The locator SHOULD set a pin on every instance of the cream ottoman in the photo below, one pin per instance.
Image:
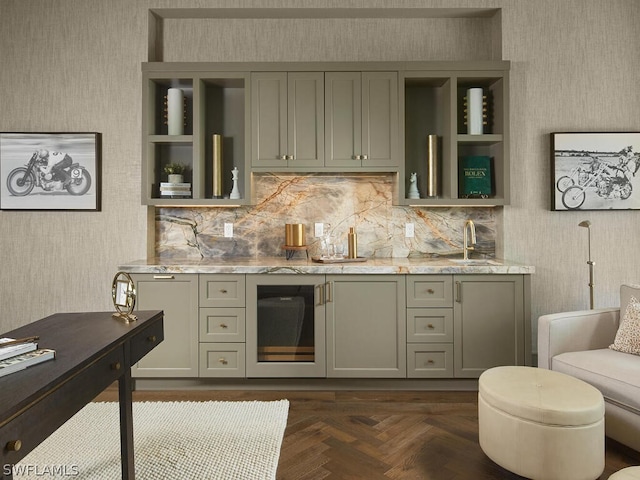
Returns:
(629, 473)
(541, 424)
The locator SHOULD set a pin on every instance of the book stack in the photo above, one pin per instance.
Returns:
(18, 354)
(175, 190)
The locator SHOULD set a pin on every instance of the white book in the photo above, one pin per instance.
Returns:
(177, 185)
(20, 362)
(13, 350)
(176, 193)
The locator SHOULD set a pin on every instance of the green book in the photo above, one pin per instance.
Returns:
(474, 177)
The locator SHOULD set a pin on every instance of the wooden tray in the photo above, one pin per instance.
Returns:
(338, 260)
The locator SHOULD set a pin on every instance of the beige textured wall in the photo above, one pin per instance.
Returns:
(74, 65)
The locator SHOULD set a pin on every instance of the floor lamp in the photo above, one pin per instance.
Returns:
(587, 225)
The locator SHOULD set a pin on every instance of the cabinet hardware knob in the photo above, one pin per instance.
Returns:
(365, 157)
(431, 291)
(223, 290)
(223, 361)
(430, 362)
(354, 157)
(223, 325)
(115, 366)
(430, 325)
(282, 157)
(14, 445)
(152, 338)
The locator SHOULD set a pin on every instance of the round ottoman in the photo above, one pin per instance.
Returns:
(629, 473)
(541, 424)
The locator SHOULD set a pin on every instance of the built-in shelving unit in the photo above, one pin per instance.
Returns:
(429, 99)
(432, 103)
(215, 103)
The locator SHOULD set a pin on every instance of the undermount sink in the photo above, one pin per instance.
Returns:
(474, 261)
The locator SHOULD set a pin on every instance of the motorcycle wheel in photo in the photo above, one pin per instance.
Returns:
(20, 181)
(80, 181)
(573, 197)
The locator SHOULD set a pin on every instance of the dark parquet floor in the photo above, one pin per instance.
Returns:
(373, 435)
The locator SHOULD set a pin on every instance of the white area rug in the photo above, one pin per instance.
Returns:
(172, 440)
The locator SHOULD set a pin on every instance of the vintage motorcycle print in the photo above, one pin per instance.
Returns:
(22, 180)
(607, 179)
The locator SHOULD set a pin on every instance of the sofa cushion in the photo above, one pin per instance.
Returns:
(615, 374)
(627, 290)
(628, 335)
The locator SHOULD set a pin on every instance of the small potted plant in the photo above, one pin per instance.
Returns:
(174, 172)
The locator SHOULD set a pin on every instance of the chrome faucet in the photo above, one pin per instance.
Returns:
(471, 227)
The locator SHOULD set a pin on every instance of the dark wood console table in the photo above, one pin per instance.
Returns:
(92, 351)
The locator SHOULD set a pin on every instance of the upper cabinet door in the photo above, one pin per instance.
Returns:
(343, 121)
(287, 119)
(361, 122)
(380, 119)
(306, 119)
(269, 119)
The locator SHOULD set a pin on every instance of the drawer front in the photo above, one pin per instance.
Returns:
(69, 398)
(429, 325)
(222, 290)
(430, 360)
(222, 324)
(222, 360)
(146, 340)
(429, 291)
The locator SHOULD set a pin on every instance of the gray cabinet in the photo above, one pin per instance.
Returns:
(366, 335)
(489, 323)
(221, 326)
(361, 119)
(430, 326)
(215, 102)
(177, 297)
(362, 325)
(460, 325)
(325, 117)
(287, 118)
(432, 102)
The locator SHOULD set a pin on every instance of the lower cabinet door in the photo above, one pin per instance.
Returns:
(366, 326)
(489, 323)
(222, 360)
(177, 296)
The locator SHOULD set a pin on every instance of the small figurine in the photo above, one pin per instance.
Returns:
(413, 186)
(235, 193)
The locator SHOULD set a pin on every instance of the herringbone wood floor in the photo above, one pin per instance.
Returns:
(374, 435)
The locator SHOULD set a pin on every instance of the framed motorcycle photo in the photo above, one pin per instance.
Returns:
(50, 171)
(595, 171)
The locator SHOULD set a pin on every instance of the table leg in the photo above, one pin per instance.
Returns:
(125, 386)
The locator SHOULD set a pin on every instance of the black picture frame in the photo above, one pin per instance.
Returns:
(595, 171)
(27, 181)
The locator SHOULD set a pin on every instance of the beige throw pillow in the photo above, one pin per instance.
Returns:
(628, 336)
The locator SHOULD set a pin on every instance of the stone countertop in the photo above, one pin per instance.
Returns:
(301, 265)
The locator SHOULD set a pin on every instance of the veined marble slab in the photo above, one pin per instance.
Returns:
(339, 201)
(300, 265)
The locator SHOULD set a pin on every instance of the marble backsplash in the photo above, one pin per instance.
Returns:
(340, 201)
